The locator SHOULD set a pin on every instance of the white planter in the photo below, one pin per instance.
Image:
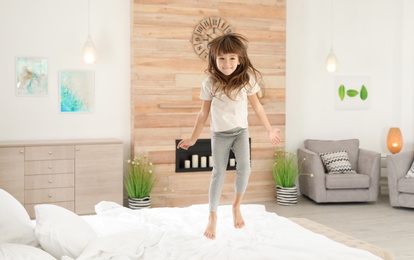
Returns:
(286, 196)
(139, 203)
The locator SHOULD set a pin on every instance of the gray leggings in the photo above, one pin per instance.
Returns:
(221, 142)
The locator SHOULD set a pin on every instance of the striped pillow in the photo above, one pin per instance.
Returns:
(337, 162)
(410, 173)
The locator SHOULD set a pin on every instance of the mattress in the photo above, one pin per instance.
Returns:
(116, 232)
(176, 233)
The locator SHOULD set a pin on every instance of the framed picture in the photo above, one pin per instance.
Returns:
(31, 76)
(77, 91)
(352, 92)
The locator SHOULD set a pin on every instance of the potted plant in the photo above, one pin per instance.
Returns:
(139, 182)
(285, 170)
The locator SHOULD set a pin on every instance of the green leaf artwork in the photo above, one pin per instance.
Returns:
(363, 93)
(351, 92)
(341, 92)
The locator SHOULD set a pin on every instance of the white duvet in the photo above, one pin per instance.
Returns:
(177, 233)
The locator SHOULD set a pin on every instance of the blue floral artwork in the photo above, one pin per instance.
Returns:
(31, 76)
(76, 91)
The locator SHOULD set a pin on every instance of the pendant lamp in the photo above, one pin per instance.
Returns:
(331, 63)
(394, 140)
(89, 50)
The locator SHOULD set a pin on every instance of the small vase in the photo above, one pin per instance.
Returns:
(287, 196)
(139, 203)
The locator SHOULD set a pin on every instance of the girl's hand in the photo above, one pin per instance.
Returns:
(274, 136)
(185, 144)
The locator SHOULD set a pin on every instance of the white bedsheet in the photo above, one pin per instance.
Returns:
(177, 233)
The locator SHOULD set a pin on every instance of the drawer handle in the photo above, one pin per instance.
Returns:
(21, 151)
(50, 195)
(50, 167)
(50, 153)
(50, 181)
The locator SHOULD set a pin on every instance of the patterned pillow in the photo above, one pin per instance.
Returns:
(410, 173)
(337, 162)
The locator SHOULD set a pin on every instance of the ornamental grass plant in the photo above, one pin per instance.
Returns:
(139, 180)
(285, 168)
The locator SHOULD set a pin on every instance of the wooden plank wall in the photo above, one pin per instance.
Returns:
(166, 81)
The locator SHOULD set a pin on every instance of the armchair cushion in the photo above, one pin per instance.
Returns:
(410, 173)
(406, 185)
(347, 181)
(337, 162)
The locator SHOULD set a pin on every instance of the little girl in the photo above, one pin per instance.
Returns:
(225, 93)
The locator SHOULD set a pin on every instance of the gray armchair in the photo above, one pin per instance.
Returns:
(400, 189)
(315, 183)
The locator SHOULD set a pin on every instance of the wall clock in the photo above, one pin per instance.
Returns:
(206, 30)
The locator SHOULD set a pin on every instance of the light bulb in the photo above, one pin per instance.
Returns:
(394, 140)
(331, 63)
(89, 52)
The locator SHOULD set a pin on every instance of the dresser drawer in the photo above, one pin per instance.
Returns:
(52, 152)
(70, 205)
(12, 171)
(49, 181)
(49, 195)
(49, 167)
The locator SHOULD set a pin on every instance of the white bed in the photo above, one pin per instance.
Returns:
(116, 232)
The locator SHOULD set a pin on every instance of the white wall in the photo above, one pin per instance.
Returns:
(371, 38)
(57, 30)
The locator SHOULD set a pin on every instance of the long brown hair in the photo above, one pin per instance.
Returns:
(239, 79)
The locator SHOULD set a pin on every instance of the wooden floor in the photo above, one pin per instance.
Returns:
(377, 223)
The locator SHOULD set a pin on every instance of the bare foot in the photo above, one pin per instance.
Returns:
(211, 226)
(237, 218)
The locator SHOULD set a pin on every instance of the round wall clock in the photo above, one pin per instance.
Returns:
(206, 30)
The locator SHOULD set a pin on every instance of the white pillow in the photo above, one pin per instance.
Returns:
(410, 173)
(61, 232)
(106, 205)
(23, 252)
(15, 224)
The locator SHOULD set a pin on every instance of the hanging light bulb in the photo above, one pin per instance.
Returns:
(331, 63)
(89, 50)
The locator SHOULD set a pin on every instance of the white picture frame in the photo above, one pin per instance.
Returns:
(76, 91)
(31, 76)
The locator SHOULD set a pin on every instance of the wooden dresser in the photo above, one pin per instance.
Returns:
(74, 174)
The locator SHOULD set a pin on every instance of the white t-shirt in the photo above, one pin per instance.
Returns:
(227, 114)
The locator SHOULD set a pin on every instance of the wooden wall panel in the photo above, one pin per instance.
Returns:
(166, 80)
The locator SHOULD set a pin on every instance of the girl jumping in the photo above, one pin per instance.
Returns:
(232, 82)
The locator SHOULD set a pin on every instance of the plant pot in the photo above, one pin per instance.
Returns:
(286, 196)
(139, 203)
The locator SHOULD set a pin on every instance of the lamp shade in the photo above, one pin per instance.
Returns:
(331, 63)
(89, 52)
(394, 140)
